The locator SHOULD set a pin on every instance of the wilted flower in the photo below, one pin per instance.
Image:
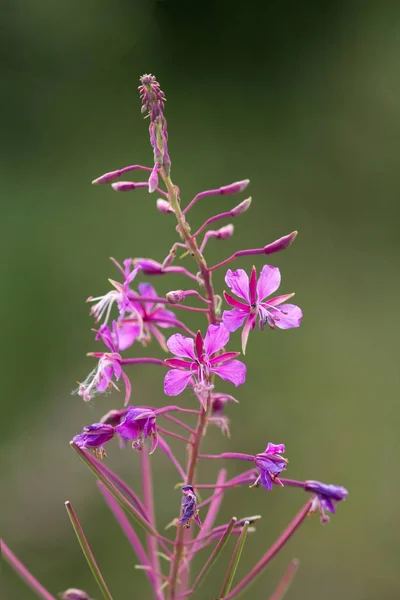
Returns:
(218, 417)
(100, 379)
(270, 465)
(120, 295)
(189, 512)
(137, 425)
(273, 312)
(93, 437)
(203, 361)
(326, 496)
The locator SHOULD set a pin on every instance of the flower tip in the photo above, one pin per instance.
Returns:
(241, 208)
(235, 188)
(123, 186)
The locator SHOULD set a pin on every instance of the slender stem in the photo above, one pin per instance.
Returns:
(235, 455)
(234, 562)
(23, 572)
(128, 531)
(286, 580)
(148, 498)
(271, 553)
(213, 557)
(87, 551)
(168, 452)
(142, 299)
(180, 423)
(143, 360)
(174, 435)
(173, 408)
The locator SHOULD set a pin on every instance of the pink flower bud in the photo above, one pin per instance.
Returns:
(108, 177)
(225, 232)
(281, 244)
(164, 206)
(241, 208)
(234, 188)
(175, 296)
(153, 179)
(127, 186)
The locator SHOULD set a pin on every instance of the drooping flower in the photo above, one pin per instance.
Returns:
(274, 312)
(120, 295)
(101, 378)
(218, 416)
(137, 425)
(270, 465)
(204, 360)
(145, 320)
(326, 496)
(93, 437)
(189, 512)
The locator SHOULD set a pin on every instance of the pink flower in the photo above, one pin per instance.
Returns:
(203, 362)
(273, 312)
(145, 320)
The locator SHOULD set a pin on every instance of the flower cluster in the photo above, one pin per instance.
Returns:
(200, 363)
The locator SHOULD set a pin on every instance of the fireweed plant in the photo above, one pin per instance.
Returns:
(132, 313)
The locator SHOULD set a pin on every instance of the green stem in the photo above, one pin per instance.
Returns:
(234, 562)
(191, 244)
(87, 551)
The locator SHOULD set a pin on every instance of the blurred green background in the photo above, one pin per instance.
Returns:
(302, 98)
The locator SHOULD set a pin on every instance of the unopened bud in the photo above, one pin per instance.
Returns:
(107, 177)
(164, 206)
(74, 594)
(169, 259)
(175, 296)
(148, 266)
(281, 244)
(153, 179)
(225, 232)
(124, 186)
(241, 208)
(234, 188)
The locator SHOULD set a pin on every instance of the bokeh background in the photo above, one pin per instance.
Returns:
(302, 98)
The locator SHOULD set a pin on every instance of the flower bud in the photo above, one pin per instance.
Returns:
(107, 177)
(234, 188)
(241, 208)
(175, 296)
(148, 266)
(74, 594)
(124, 186)
(281, 244)
(225, 232)
(164, 206)
(153, 179)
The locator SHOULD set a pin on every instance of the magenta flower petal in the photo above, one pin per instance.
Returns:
(249, 325)
(274, 448)
(181, 346)
(268, 282)
(176, 381)
(127, 333)
(216, 338)
(235, 303)
(148, 291)
(238, 282)
(287, 317)
(233, 371)
(233, 319)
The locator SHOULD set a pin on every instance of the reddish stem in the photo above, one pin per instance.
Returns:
(23, 572)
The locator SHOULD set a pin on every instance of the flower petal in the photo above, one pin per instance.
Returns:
(217, 337)
(235, 303)
(127, 334)
(233, 371)
(147, 291)
(176, 381)
(268, 282)
(181, 346)
(250, 324)
(233, 319)
(238, 281)
(266, 480)
(288, 316)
